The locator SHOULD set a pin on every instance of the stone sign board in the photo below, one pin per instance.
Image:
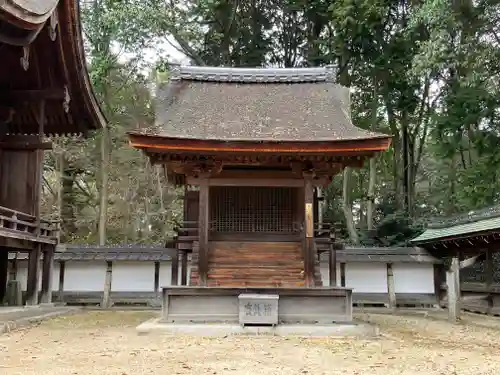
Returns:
(258, 309)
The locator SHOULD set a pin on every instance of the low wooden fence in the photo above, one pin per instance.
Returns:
(134, 275)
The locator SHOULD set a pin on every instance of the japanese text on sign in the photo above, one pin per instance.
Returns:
(258, 309)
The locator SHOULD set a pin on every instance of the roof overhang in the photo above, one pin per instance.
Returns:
(26, 13)
(156, 144)
(47, 35)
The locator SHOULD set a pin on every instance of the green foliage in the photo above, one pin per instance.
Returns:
(426, 72)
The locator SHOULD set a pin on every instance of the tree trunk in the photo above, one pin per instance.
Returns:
(347, 207)
(370, 206)
(103, 195)
(67, 199)
(406, 170)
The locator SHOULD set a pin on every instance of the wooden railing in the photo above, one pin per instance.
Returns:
(28, 226)
(187, 233)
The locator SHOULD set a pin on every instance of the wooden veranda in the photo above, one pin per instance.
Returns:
(44, 91)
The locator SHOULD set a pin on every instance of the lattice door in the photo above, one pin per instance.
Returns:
(252, 209)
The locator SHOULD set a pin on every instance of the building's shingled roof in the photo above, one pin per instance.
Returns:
(383, 255)
(469, 224)
(243, 104)
(152, 253)
(106, 253)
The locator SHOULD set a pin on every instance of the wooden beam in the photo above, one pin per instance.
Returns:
(157, 278)
(184, 267)
(203, 223)
(7, 96)
(14, 269)
(4, 272)
(489, 276)
(62, 271)
(47, 270)
(258, 175)
(309, 244)
(332, 261)
(437, 282)
(470, 261)
(342, 275)
(267, 182)
(26, 146)
(175, 269)
(33, 275)
(41, 118)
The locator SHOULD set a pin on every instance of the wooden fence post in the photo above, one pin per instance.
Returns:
(62, 269)
(391, 289)
(47, 270)
(452, 290)
(106, 301)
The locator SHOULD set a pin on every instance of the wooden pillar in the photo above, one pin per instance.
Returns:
(62, 270)
(4, 272)
(342, 274)
(203, 223)
(175, 269)
(184, 267)
(309, 253)
(332, 260)
(320, 206)
(391, 287)
(47, 270)
(33, 275)
(437, 283)
(106, 297)
(452, 290)
(488, 268)
(13, 270)
(156, 286)
(38, 186)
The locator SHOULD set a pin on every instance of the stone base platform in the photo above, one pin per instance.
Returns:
(284, 305)
(158, 326)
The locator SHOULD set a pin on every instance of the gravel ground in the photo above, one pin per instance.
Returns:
(99, 343)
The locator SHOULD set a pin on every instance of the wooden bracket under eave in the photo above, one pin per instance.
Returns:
(25, 146)
(54, 22)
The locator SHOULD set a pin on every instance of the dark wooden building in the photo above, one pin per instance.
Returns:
(44, 91)
(252, 146)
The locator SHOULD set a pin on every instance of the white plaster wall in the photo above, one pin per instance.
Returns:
(366, 277)
(189, 273)
(325, 274)
(55, 276)
(133, 277)
(165, 274)
(85, 276)
(22, 275)
(139, 276)
(413, 278)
